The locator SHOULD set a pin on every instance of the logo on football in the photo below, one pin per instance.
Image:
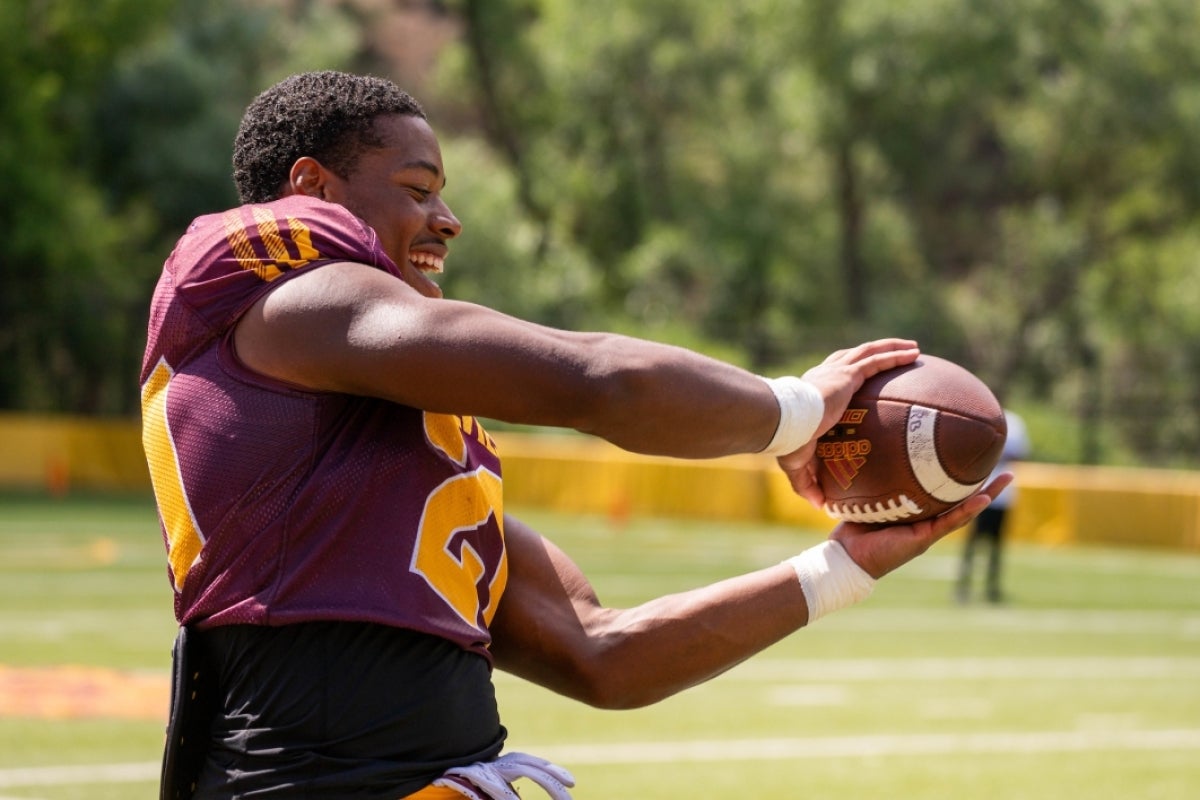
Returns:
(914, 442)
(843, 458)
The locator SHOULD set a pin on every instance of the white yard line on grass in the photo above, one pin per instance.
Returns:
(1108, 623)
(80, 774)
(858, 746)
(834, 670)
(711, 750)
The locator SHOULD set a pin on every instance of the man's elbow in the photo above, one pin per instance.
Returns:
(611, 684)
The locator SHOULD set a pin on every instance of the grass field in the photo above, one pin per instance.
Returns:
(1087, 684)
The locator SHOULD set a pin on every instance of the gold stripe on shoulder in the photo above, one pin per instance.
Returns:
(273, 240)
(302, 238)
(268, 231)
(243, 249)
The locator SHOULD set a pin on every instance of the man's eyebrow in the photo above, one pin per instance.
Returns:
(423, 164)
(429, 167)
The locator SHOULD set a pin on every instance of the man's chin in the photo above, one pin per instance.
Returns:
(427, 287)
(421, 282)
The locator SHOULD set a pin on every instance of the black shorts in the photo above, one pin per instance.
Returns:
(334, 709)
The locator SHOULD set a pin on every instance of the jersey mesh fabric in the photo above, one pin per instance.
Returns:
(281, 505)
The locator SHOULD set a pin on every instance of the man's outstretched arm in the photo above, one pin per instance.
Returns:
(552, 629)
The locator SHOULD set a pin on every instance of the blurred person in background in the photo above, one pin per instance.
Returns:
(989, 527)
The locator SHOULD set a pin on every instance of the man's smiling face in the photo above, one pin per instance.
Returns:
(396, 189)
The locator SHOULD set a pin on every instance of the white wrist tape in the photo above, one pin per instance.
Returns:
(830, 579)
(800, 410)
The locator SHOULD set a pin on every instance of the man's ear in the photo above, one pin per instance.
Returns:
(307, 177)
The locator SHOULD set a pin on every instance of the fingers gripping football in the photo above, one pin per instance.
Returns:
(881, 550)
(837, 378)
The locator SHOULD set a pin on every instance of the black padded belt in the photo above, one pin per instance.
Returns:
(194, 700)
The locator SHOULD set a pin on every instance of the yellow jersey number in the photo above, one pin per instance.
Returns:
(451, 567)
(446, 562)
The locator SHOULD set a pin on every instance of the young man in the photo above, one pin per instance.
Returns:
(333, 511)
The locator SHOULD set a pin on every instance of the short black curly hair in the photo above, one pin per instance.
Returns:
(327, 115)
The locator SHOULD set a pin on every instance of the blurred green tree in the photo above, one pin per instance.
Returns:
(119, 118)
(62, 320)
(1041, 157)
(1016, 183)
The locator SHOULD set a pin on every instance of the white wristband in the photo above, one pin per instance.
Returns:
(830, 579)
(801, 408)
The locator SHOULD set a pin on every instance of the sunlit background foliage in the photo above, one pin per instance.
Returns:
(1015, 183)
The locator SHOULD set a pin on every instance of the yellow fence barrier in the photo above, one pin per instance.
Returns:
(60, 453)
(1057, 505)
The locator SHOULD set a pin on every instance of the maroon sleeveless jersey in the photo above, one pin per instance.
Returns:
(280, 505)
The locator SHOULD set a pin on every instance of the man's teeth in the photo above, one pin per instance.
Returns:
(427, 262)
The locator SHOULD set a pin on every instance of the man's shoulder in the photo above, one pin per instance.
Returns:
(313, 228)
(263, 241)
(227, 260)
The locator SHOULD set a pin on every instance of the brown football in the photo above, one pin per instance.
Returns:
(914, 442)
